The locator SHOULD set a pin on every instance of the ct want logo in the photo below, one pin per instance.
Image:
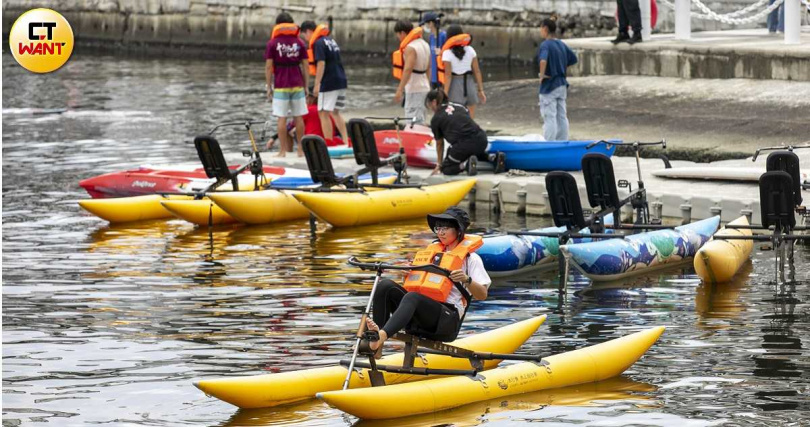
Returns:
(41, 40)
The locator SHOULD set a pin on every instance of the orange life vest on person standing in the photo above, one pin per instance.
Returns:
(320, 31)
(459, 40)
(433, 285)
(398, 57)
(285, 30)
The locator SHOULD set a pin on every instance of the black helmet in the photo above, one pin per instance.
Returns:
(455, 214)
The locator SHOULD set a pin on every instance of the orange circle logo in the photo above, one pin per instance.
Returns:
(41, 40)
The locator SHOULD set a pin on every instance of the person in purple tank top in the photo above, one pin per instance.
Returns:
(287, 79)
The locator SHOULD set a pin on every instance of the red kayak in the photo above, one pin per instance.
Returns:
(420, 148)
(179, 179)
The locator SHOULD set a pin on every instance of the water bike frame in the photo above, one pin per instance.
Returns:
(215, 166)
(603, 195)
(780, 195)
(365, 151)
(414, 344)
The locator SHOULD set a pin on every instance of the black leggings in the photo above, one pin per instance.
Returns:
(463, 150)
(395, 309)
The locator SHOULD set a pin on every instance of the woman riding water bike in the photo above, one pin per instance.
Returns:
(434, 307)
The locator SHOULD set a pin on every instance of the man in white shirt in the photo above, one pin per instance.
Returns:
(414, 83)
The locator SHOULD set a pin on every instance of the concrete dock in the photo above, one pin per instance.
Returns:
(525, 192)
(751, 54)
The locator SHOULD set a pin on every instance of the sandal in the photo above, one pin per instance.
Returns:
(365, 344)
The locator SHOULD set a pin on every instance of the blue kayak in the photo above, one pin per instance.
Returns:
(616, 259)
(302, 181)
(533, 154)
(508, 254)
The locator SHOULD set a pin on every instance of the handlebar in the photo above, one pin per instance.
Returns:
(380, 266)
(636, 144)
(785, 147)
(246, 123)
(396, 120)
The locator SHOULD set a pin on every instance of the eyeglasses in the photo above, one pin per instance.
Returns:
(439, 230)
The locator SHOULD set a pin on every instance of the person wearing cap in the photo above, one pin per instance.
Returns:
(431, 24)
(434, 316)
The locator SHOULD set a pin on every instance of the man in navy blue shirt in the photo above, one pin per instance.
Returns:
(330, 80)
(554, 57)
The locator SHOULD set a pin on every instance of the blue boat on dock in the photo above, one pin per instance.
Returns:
(532, 153)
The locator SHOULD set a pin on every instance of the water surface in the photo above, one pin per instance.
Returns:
(111, 324)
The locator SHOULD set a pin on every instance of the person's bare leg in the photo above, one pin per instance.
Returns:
(326, 125)
(472, 111)
(283, 137)
(341, 125)
(299, 134)
(383, 336)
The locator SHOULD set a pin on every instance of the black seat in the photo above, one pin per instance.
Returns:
(445, 336)
(600, 181)
(213, 160)
(363, 144)
(776, 198)
(563, 200)
(787, 161)
(318, 161)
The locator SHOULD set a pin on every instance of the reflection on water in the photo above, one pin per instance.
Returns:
(110, 324)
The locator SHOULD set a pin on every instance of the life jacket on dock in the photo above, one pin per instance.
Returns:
(398, 57)
(285, 30)
(458, 40)
(435, 286)
(320, 31)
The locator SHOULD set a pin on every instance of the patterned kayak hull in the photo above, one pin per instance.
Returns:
(510, 255)
(616, 259)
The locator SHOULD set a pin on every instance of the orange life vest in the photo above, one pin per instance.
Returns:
(285, 30)
(320, 31)
(434, 285)
(398, 57)
(459, 40)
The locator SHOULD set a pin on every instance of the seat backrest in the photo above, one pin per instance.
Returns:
(318, 161)
(776, 200)
(211, 156)
(563, 200)
(600, 182)
(363, 143)
(787, 161)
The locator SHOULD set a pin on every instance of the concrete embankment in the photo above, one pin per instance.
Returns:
(503, 30)
(750, 54)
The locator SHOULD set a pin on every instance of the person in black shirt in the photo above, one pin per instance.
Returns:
(468, 142)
